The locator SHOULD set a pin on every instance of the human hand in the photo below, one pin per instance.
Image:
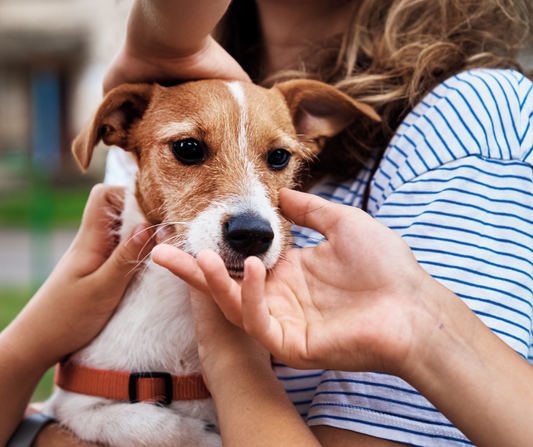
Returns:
(208, 61)
(351, 303)
(81, 294)
(222, 346)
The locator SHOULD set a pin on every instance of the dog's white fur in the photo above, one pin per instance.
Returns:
(152, 330)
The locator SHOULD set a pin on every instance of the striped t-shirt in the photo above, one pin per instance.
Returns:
(456, 183)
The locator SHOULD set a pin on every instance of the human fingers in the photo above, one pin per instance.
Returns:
(255, 315)
(116, 72)
(204, 307)
(181, 264)
(225, 291)
(101, 218)
(210, 61)
(311, 211)
(117, 271)
(103, 201)
(225, 66)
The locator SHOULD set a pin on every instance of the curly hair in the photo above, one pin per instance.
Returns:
(393, 53)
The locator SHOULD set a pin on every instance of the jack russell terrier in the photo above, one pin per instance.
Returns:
(211, 158)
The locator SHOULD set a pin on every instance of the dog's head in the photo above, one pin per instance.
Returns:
(212, 156)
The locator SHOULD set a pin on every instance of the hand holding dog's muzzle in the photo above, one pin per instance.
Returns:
(345, 304)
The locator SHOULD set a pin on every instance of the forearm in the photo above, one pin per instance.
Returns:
(253, 408)
(170, 40)
(478, 382)
(172, 28)
(19, 375)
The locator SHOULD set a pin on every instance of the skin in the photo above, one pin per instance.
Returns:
(71, 307)
(156, 49)
(287, 48)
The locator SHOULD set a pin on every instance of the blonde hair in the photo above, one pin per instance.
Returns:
(393, 53)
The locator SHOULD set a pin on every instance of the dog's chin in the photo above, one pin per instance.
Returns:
(237, 274)
(235, 266)
(234, 262)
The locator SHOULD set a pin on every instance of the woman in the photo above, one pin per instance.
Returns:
(454, 182)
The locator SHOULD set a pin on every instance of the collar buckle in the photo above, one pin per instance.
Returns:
(134, 377)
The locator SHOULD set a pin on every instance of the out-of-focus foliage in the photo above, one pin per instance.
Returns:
(12, 300)
(66, 207)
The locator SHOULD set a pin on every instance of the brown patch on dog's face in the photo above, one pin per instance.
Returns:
(243, 135)
(213, 155)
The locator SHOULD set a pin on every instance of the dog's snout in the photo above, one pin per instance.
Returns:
(248, 234)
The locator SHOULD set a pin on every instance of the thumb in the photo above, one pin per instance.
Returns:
(117, 271)
(308, 210)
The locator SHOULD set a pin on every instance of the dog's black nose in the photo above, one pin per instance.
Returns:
(248, 235)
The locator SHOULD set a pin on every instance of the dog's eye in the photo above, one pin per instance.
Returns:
(189, 151)
(278, 159)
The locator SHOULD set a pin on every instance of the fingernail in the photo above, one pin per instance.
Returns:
(246, 270)
(141, 234)
(162, 234)
(155, 258)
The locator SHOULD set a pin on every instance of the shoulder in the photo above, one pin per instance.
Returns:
(457, 184)
(490, 106)
(475, 115)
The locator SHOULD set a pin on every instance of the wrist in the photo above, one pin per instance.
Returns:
(156, 53)
(442, 336)
(33, 337)
(219, 367)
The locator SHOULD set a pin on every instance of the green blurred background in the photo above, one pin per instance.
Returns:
(38, 213)
(53, 56)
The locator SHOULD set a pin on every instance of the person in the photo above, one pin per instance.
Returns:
(449, 171)
(71, 307)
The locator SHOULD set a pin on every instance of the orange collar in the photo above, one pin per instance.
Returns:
(154, 387)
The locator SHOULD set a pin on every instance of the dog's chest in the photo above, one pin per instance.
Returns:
(152, 328)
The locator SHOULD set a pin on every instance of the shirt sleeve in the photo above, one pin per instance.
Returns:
(456, 183)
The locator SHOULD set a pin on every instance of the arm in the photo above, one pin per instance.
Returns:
(71, 307)
(367, 305)
(169, 41)
(252, 407)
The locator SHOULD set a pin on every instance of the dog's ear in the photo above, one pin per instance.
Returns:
(119, 110)
(319, 110)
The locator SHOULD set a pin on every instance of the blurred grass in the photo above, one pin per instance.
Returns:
(12, 300)
(38, 206)
(19, 209)
(66, 207)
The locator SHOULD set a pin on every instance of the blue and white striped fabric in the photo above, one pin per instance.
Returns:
(456, 183)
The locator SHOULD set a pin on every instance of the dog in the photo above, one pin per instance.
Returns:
(211, 158)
